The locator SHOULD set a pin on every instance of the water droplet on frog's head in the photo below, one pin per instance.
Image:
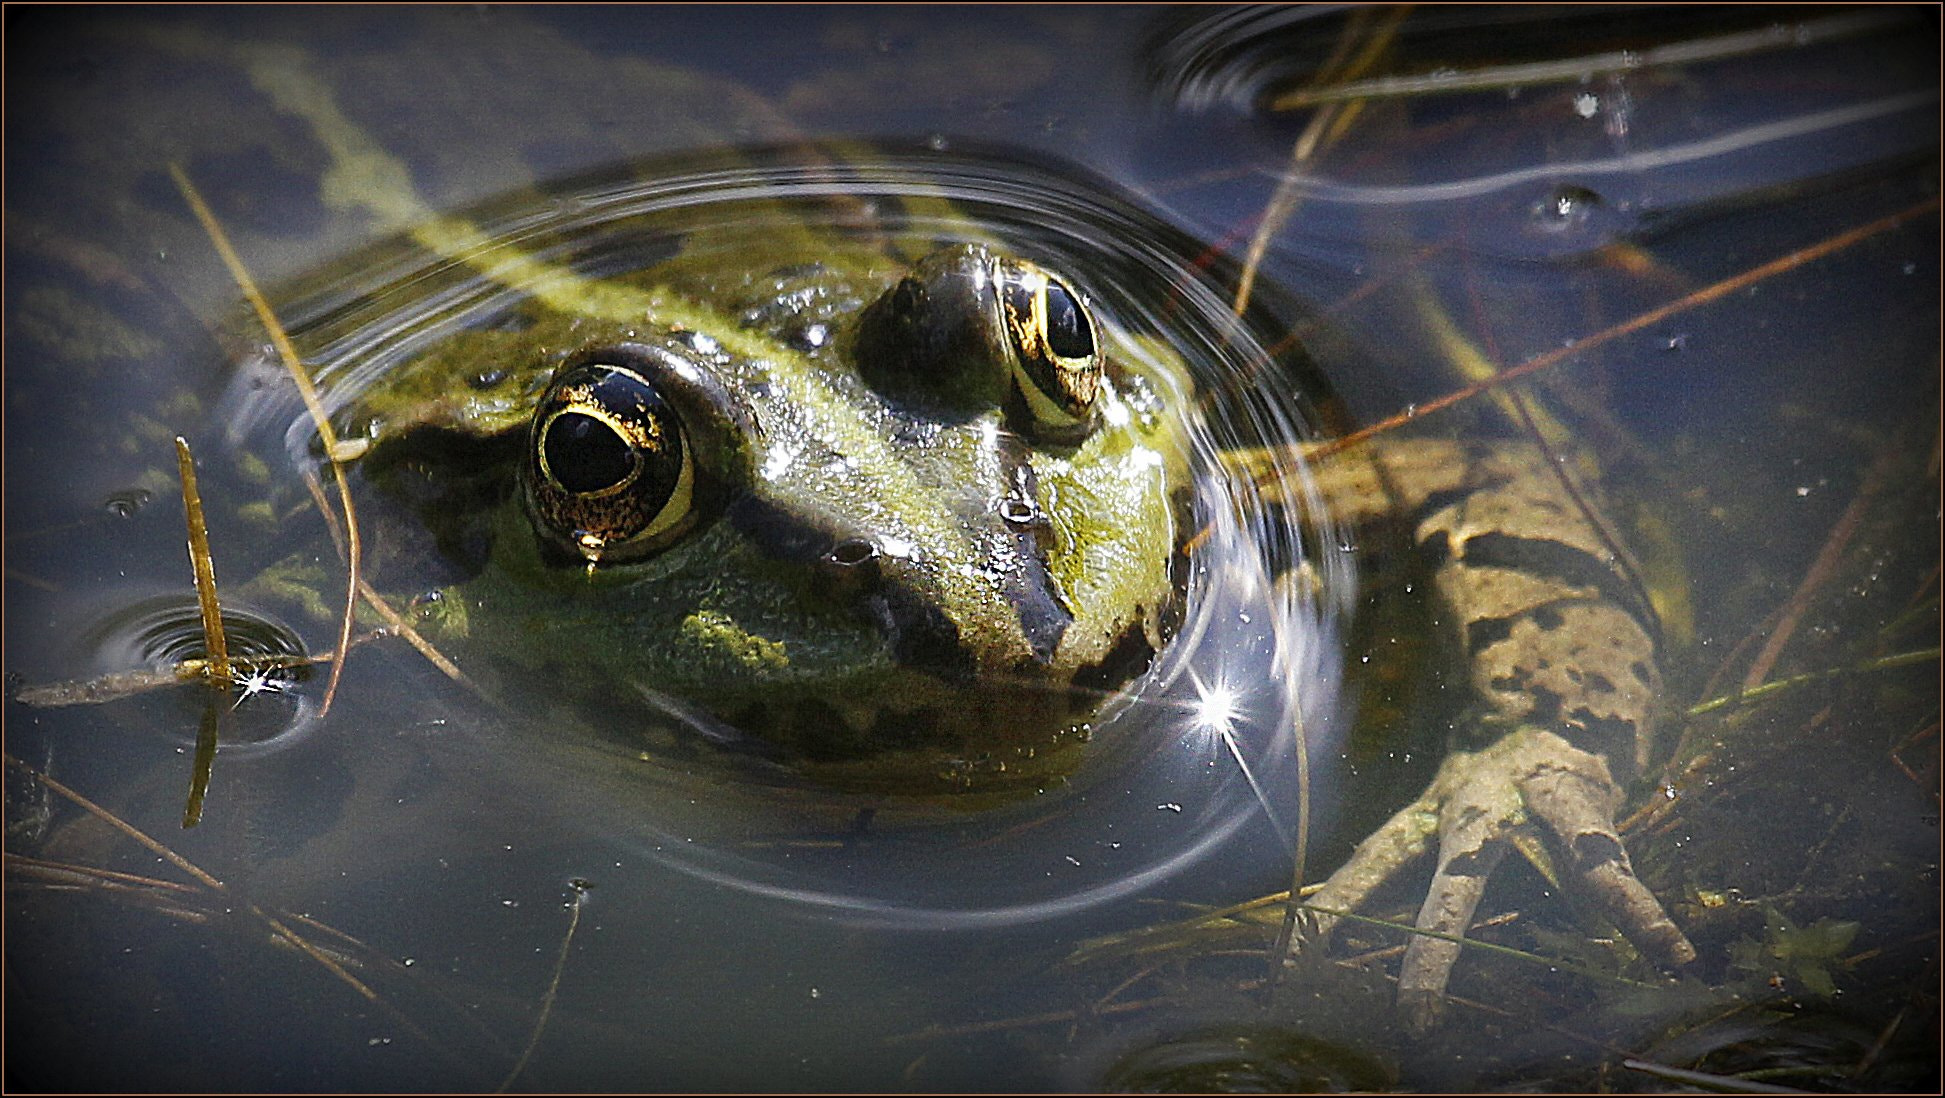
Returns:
(488, 378)
(125, 503)
(267, 698)
(1019, 512)
(698, 342)
(809, 337)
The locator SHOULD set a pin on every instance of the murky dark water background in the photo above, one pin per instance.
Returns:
(443, 837)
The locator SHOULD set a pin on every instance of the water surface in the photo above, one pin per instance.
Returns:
(722, 943)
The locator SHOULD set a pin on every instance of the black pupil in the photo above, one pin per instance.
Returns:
(586, 455)
(1068, 334)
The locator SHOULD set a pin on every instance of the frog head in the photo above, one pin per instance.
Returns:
(906, 527)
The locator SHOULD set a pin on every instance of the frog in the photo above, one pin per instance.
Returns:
(717, 476)
(896, 528)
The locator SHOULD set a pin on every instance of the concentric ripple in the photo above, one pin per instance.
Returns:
(1210, 747)
(159, 632)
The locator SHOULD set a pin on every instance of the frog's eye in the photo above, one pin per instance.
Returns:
(610, 473)
(1053, 338)
(970, 329)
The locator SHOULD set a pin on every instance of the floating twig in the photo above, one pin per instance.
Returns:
(332, 450)
(116, 685)
(397, 623)
(218, 673)
(111, 686)
(214, 642)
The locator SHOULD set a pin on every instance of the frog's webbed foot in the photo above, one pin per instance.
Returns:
(1530, 783)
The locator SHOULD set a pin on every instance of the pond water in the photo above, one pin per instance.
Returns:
(1732, 222)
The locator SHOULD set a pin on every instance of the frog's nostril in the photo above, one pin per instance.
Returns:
(854, 567)
(853, 553)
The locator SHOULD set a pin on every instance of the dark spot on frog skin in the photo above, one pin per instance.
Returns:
(1438, 549)
(1546, 705)
(921, 635)
(1548, 619)
(807, 336)
(1451, 497)
(1486, 632)
(1557, 561)
(1612, 738)
(1589, 851)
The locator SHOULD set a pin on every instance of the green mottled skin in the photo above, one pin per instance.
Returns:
(718, 622)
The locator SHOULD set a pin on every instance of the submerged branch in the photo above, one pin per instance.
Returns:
(1882, 663)
(1706, 295)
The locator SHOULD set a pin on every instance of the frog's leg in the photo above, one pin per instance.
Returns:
(1565, 680)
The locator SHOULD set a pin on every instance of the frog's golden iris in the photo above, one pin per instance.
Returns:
(611, 474)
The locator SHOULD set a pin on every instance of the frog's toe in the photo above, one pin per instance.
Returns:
(1477, 804)
(1578, 809)
(1478, 810)
(1383, 854)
